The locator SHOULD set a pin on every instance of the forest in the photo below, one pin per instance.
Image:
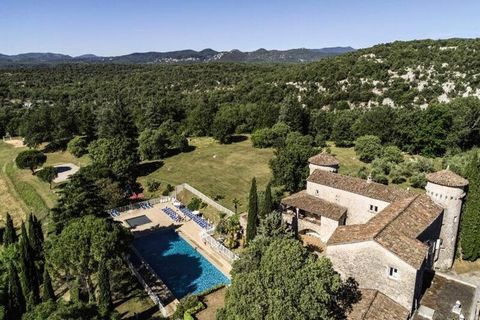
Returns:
(419, 98)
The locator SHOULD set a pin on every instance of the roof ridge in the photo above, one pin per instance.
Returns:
(370, 304)
(397, 216)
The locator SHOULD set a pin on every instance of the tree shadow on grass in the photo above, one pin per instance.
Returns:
(146, 168)
(238, 138)
(174, 152)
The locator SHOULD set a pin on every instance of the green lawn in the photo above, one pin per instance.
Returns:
(215, 169)
(20, 191)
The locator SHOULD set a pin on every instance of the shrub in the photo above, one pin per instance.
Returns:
(368, 148)
(153, 185)
(379, 177)
(196, 204)
(418, 180)
(47, 174)
(270, 137)
(77, 146)
(362, 173)
(392, 154)
(186, 303)
(381, 165)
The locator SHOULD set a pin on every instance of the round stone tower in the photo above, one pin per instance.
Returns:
(447, 189)
(323, 161)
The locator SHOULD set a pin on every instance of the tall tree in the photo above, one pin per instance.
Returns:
(30, 159)
(47, 174)
(117, 153)
(470, 230)
(105, 296)
(47, 290)
(267, 205)
(9, 235)
(29, 271)
(35, 235)
(16, 299)
(252, 212)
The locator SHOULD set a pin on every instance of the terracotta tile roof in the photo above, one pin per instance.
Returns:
(396, 228)
(447, 178)
(359, 186)
(374, 305)
(324, 159)
(312, 204)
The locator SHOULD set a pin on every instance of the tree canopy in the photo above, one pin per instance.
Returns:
(279, 279)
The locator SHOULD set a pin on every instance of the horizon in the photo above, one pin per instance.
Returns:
(114, 28)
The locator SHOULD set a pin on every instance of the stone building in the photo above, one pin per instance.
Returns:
(385, 237)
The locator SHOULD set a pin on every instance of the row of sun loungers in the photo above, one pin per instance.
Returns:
(172, 214)
(199, 220)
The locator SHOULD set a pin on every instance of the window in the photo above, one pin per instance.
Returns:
(393, 272)
(316, 192)
(373, 208)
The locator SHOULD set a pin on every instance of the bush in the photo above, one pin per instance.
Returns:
(418, 180)
(368, 148)
(381, 165)
(186, 303)
(362, 173)
(168, 190)
(47, 174)
(392, 154)
(153, 185)
(77, 146)
(270, 137)
(196, 204)
(379, 177)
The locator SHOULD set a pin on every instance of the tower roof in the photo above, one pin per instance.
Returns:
(447, 178)
(324, 159)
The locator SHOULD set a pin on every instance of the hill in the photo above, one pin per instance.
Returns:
(183, 56)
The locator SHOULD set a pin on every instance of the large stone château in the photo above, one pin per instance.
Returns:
(385, 237)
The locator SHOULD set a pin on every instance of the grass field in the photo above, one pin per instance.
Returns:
(215, 169)
(20, 191)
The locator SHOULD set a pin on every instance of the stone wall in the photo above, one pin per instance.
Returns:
(358, 206)
(204, 198)
(368, 263)
(325, 226)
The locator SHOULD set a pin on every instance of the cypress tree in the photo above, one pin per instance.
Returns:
(29, 271)
(9, 235)
(105, 296)
(35, 236)
(252, 212)
(47, 290)
(16, 299)
(267, 202)
(470, 230)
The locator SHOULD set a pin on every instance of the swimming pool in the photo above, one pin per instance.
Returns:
(179, 265)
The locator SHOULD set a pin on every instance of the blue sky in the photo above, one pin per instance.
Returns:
(114, 27)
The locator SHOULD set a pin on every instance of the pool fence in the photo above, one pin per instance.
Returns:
(204, 198)
(206, 236)
(138, 205)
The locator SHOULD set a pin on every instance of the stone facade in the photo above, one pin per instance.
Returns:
(369, 263)
(358, 206)
(322, 226)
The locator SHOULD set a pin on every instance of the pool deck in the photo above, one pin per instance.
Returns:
(187, 229)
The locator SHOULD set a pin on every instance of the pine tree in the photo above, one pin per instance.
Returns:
(47, 291)
(16, 299)
(470, 230)
(252, 212)
(105, 296)
(29, 271)
(267, 202)
(9, 235)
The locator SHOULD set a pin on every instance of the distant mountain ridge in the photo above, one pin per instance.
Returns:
(181, 56)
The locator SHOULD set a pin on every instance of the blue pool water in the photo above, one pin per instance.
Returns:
(179, 265)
